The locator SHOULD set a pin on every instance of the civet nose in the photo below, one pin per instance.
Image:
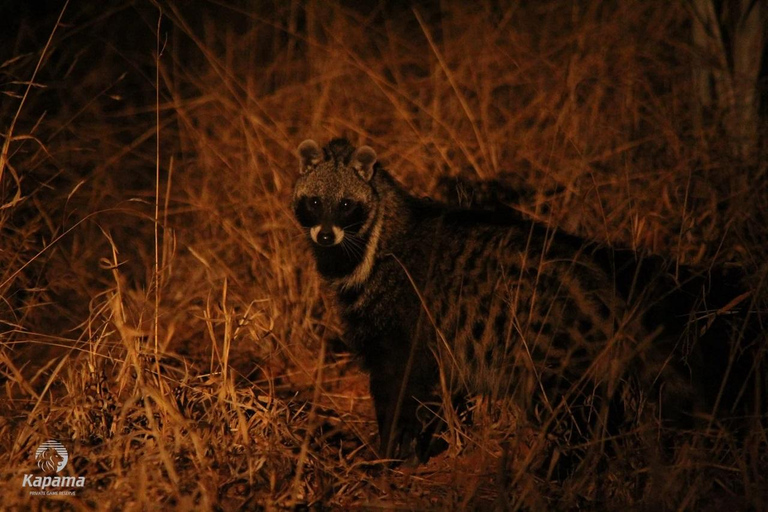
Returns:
(325, 238)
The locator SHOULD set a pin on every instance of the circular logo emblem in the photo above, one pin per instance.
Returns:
(51, 456)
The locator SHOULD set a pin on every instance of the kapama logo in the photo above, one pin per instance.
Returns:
(51, 456)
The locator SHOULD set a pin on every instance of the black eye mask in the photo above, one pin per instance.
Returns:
(307, 213)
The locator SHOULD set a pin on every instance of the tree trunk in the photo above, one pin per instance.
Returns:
(729, 47)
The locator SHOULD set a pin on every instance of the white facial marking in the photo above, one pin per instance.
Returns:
(313, 233)
(338, 235)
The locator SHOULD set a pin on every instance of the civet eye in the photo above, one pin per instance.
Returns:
(345, 204)
(314, 202)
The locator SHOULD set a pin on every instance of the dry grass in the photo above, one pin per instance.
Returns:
(160, 315)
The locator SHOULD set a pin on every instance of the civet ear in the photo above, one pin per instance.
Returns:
(362, 161)
(309, 155)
